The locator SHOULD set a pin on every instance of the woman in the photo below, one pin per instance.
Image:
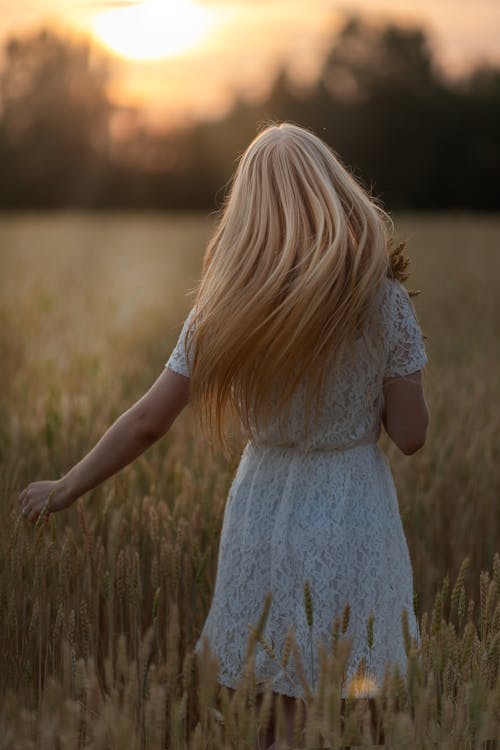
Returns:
(302, 334)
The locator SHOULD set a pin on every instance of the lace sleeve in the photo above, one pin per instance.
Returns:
(178, 360)
(406, 351)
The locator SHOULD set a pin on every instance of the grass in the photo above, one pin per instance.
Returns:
(101, 607)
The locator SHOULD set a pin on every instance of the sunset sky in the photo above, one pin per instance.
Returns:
(206, 50)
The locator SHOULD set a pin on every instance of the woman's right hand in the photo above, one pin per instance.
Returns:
(36, 494)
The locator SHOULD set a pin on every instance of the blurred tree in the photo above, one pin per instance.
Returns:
(471, 144)
(412, 136)
(367, 58)
(386, 91)
(54, 129)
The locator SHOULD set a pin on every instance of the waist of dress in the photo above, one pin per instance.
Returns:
(369, 438)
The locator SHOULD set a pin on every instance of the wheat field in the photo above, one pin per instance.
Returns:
(101, 607)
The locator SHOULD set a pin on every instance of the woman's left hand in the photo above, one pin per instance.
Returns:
(33, 498)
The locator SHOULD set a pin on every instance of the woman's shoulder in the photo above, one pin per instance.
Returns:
(393, 305)
(392, 296)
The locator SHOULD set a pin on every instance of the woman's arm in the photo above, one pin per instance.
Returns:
(406, 415)
(129, 436)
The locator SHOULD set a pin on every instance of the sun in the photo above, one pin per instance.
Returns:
(153, 29)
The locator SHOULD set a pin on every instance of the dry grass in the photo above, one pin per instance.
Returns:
(101, 608)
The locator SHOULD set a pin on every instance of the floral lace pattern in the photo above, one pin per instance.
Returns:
(321, 508)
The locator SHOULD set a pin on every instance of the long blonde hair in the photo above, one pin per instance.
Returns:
(289, 276)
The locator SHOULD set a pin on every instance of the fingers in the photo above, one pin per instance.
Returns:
(24, 506)
(27, 513)
(27, 510)
(24, 503)
(31, 515)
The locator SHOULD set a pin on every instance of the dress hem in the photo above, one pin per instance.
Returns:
(233, 682)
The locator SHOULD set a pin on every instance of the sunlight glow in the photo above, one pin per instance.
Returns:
(153, 29)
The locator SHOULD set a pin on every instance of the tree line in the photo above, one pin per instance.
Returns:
(416, 138)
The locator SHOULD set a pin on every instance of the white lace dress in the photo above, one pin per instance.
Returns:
(326, 513)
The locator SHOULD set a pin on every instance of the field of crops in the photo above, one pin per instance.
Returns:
(101, 607)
